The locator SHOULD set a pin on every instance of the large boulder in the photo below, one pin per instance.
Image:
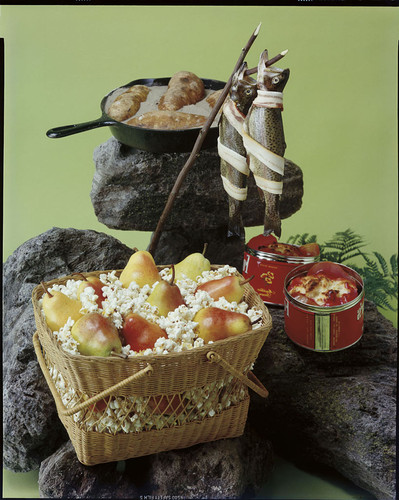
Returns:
(337, 409)
(228, 468)
(131, 187)
(175, 245)
(32, 430)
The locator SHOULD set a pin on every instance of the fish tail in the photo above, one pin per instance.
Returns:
(235, 226)
(272, 226)
(272, 221)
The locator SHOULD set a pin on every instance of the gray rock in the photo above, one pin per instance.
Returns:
(32, 430)
(62, 476)
(337, 409)
(131, 187)
(228, 468)
(175, 245)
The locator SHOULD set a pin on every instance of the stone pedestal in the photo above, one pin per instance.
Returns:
(131, 187)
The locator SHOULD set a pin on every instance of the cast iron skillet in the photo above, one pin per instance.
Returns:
(154, 140)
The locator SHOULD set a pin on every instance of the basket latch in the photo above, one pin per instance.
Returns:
(250, 380)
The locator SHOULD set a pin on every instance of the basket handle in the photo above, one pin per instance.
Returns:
(250, 379)
(94, 399)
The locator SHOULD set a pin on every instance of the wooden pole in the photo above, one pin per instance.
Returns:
(200, 139)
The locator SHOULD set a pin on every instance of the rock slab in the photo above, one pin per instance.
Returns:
(131, 187)
(32, 430)
(337, 409)
(228, 468)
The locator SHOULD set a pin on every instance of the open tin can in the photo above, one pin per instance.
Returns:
(319, 328)
(270, 269)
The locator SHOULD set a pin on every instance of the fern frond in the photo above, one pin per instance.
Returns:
(347, 243)
(331, 256)
(383, 263)
(302, 239)
(394, 264)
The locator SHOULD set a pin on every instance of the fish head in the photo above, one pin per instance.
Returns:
(271, 78)
(243, 89)
(276, 79)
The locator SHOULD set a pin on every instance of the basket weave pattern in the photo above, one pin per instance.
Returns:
(184, 399)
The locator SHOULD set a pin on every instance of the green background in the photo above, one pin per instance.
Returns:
(340, 105)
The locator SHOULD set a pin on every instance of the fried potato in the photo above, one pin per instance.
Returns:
(213, 97)
(184, 88)
(127, 104)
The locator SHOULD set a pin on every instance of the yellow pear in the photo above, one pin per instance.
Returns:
(141, 268)
(166, 296)
(192, 266)
(58, 307)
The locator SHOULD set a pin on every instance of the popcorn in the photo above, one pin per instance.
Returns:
(133, 414)
(178, 324)
(64, 336)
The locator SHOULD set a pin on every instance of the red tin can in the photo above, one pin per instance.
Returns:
(324, 329)
(269, 270)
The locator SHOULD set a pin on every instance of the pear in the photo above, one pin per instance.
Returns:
(141, 268)
(95, 283)
(140, 333)
(192, 266)
(58, 307)
(166, 296)
(216, 324)
(229, 287)
(97, 335)
(167, 405)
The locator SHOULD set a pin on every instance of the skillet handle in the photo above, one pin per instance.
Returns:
(66, 130)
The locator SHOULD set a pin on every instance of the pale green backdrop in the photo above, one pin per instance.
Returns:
(340, 111)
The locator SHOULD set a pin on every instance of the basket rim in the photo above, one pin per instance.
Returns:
(266, 320)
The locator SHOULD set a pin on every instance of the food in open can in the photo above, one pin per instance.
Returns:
(270, 261)
(324, 305)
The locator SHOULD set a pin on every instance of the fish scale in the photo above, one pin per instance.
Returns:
(231, 147)
(264, 126)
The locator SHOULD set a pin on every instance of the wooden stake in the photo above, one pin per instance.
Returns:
(198, 143)
(270, 62)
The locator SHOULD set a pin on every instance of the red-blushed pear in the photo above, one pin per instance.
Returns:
(93, 282)
(100, 405)
(217, 324)
(167, 405)
(97, 335)
(141, 268)
(229, 287)
(58, 307)
(140, 333)
(166, 296)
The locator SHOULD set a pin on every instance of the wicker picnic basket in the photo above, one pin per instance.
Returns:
(161, 402)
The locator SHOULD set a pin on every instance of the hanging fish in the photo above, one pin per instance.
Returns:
(233, 163)
(264, 140)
